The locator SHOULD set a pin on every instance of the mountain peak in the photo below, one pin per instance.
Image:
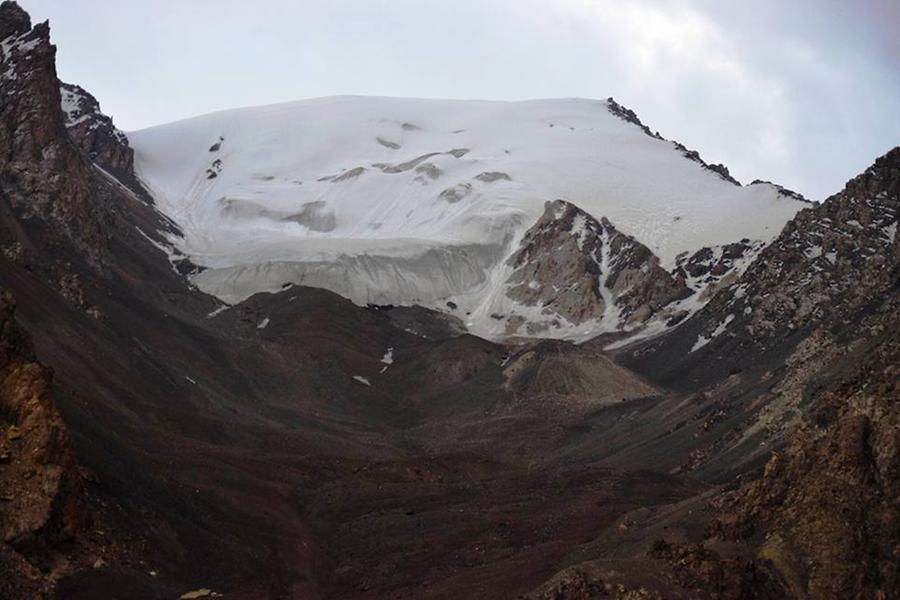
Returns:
(626, 114)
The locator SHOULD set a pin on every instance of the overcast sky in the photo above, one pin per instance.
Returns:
(805, 93)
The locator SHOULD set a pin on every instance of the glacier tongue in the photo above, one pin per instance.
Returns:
(403, 201)
(424, 274)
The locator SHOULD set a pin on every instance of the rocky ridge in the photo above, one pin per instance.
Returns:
(37, 150)
(826, 265)
(781, 189)
(43, 175)
(829, 263)
(808, 336)
(576, 268)
(824, 509)
(94, 132)
(626, 114)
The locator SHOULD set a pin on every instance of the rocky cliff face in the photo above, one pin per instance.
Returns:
(94, 132)
(42, 502)
(70, 203)
(42, 174)
(824, 510)
(828, 263)
(571, 266)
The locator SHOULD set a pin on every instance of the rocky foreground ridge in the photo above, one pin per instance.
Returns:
(43, 506)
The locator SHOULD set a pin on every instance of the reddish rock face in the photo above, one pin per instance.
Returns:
(42, 503)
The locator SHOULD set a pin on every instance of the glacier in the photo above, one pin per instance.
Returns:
(418, 201)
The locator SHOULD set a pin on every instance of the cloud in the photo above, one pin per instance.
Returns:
(655, 38)
(677, 59)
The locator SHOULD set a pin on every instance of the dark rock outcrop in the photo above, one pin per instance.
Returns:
(710, 269)
(626, 114)
(42, 502)
(41, 172)
(574, 266)
(14, 21)
(94, 133)
(783, 191)
(719, 169)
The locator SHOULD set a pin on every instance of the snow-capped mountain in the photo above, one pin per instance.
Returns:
(299, 445)
(398, 201)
